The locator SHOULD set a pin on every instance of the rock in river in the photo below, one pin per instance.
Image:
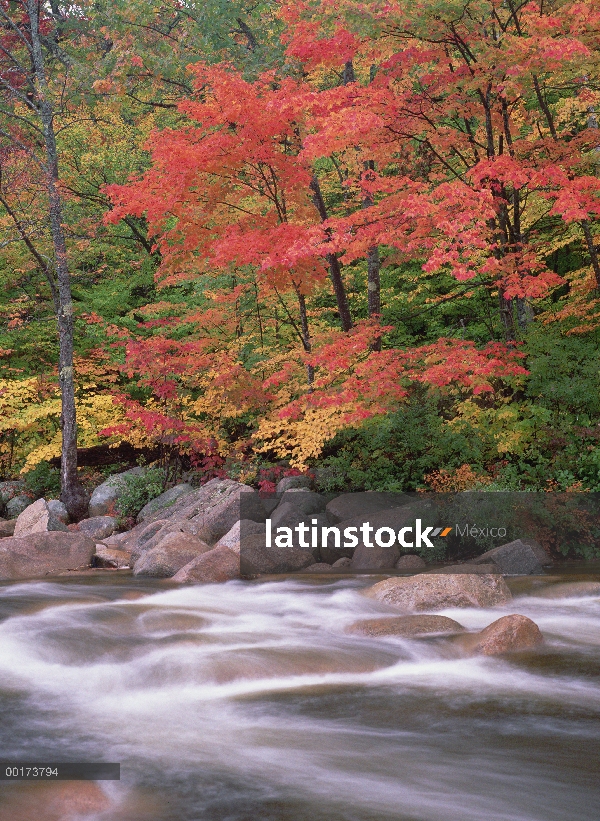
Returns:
(436, 592)
(505, 635)
(405, 626)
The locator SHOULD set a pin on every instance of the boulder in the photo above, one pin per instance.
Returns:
(171, 554)
(410, 563)
(41, 554)
(256, 557)
(106, 495)
(217, 565)
(435, 592)
(343, 563)
(350, 505)
(7, 527)
(208, 512)
(568, 590)
(58, 510)
(165, 500)
(10, 489)
(544, 558)
(214, 509)
(110, 557)
(290, 516)
(17, 504)
(98, 527)
(238, 532)
(505, 635)
(289, 482)
(395, 518)
(270, 502)
(116, 540)
(298, 504)
(406, 626)
(374, 558)
(36, 518)
(167, 529)
(517, 558)
(145, 536)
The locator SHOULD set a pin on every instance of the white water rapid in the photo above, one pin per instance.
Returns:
(249, 701)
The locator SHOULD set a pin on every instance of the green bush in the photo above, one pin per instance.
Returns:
(43, 481)
(395, 452)
(137, 491)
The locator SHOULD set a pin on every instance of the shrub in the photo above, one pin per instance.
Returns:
(137, 491)
(43, 480)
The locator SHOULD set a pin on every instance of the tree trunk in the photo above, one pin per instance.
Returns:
(373, 269)
(72, 493)
(507, 317)
(306, 343)
(335, 269)
(589, 241)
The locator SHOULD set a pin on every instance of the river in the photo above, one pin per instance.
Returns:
(249, 701)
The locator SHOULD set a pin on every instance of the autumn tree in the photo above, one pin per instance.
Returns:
(34, 75)
(478, 118)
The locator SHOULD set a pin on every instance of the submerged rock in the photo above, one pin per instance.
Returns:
(54, 801)
(406, 626)
(435, 592)
(568, 590)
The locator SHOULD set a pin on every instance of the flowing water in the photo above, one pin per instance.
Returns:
(249, 701)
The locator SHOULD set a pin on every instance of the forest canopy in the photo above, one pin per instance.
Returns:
(355, 238)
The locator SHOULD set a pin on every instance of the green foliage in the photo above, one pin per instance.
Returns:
(137, 491)
(43, 481)
(565, 371)
(396, 452)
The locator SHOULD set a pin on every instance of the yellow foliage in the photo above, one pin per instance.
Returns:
(302, 439)
(30, 419)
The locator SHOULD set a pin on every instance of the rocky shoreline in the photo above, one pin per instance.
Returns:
(189, 535)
